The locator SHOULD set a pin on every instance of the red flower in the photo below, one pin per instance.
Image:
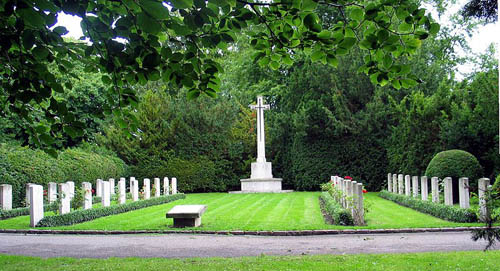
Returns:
(348, 178)
(333, 184)
(364, 191)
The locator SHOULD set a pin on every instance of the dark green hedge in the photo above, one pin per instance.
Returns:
(450, 213)
(4, 214)
(21, 165)
(340, 215)
(80, 216)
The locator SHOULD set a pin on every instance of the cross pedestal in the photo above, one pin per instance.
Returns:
(261, 177)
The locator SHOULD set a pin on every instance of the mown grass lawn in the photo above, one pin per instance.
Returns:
(253, 212)
(468, 260)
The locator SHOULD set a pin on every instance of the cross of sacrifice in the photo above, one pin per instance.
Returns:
(261, 145)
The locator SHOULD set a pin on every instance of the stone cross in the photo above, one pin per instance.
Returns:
(425, 188)
(174, 186)
(157, 187)
(87, 196)
(463, 189)
(435, 189)
(261, 146)
(147, 188)
(106, 193)
(166, 186)
(52, 192)
(448, 191)
(6, 197)
(121, 191)
(36, 204)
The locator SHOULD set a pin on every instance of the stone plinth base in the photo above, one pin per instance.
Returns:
(262, 170)
(264, 185)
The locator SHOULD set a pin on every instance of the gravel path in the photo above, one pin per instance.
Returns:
(193, 245)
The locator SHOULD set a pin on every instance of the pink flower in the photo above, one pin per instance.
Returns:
(348, 178)
(364, 191)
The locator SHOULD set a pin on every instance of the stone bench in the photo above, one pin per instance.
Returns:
(187, 215)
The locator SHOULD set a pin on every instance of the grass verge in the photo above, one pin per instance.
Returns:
(466, 260)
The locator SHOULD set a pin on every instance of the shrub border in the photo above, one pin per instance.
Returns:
(339, 215)
(6, 214)
(80, 216)
(450, 213)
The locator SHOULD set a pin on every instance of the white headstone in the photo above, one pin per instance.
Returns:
(166, 186)
(6, 196)
(65, 206)
(435, 189)
(106, 194)
(87, 196)
(463, 189)
(174, 186)
(135, 189)
(52, 192)
(425, 187)
(483, 184)
(71, 189)
(395, 183)
(98, 188)
(147, 188)
(414, 183)
(27, 187)
(122, 198)
(407, 185)
(448, 191)
(36, 204)
(400, 184)
(389, 182)
(157, 187)
(112, 186)
(359, 214)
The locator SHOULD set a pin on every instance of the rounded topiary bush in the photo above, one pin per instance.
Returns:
(455, 164)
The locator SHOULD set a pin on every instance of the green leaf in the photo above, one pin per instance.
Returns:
(193, 94)
(32, 18)
(210, 93)
(147, 23)
(357, 14)
(155, 9)
(318, 55)
(311, 22)
(332, 60)
(347, 43)
(309, 5)
(434, 28)
(274, 65)
(387, 61)
(40, 52)
(407, 83)
(325, 34)
(396, 84)
(60, 30)
(182, 4)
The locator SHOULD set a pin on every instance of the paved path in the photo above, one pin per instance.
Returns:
(188, 245)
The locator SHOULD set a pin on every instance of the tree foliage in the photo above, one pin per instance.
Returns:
(135, 42)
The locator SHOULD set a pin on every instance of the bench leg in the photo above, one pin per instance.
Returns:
(187, 222)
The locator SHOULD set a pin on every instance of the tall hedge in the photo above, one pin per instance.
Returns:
(21, 165)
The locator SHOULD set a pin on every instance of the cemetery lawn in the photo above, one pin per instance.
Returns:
(465, 260)
(255, 212)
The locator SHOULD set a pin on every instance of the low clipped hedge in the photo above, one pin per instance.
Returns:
(80, 216)
(339, 215)
(450, 213)
(21, 165)
(4, 214)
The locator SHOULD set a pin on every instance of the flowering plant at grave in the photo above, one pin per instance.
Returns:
(349, 178)
(364, 191)
(93, 191)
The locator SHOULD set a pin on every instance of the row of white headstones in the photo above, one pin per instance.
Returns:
(350, 196)
(409, 186)
(104, 189)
